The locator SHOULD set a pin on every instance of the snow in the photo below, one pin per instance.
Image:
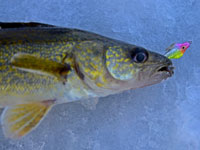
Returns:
(160, 117)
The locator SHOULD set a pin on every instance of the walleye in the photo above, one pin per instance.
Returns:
(43, 65)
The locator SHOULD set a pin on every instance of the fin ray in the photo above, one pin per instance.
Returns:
(19, 123)
(20, 115)
(29, 125)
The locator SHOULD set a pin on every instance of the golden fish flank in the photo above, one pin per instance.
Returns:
(43, 65)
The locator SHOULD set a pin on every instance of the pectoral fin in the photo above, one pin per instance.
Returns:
(19, 120)
(32, 63)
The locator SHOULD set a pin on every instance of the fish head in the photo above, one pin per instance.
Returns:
(137, 67)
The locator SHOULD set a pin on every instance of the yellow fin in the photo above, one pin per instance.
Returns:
(35, 64)
(19, 120)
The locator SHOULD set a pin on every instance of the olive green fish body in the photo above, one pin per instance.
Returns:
(42, 65)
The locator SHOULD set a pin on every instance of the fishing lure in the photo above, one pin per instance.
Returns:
(176, 50)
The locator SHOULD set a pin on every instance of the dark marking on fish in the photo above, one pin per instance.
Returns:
(65, 57)
(64, 72)
(78, 71)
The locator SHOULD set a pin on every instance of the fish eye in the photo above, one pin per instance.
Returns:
(183, 47)
(139, 55)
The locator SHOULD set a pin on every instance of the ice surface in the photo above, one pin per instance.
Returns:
(161, 117)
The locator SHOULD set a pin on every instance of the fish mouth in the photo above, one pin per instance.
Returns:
(167, 69)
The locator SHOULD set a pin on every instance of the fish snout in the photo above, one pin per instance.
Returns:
(165, 65)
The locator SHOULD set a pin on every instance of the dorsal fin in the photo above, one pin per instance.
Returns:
(5, 25)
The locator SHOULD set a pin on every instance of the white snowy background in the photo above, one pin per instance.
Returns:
(165, 116)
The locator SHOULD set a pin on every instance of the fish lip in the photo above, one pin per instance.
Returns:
(167, 69)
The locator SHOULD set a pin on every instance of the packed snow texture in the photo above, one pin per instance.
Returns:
(165, 116)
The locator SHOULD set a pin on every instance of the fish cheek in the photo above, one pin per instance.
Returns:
(119, 65)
